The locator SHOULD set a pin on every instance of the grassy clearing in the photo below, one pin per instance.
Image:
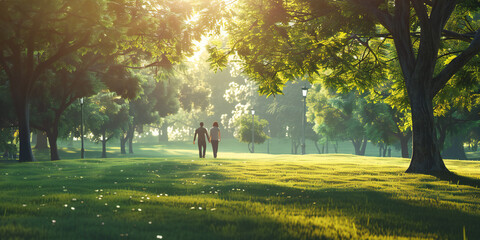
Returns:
(70, 150)
(239, 196)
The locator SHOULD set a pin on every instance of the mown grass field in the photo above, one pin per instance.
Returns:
(171, 194)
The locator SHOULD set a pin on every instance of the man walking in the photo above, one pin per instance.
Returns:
(202, 140)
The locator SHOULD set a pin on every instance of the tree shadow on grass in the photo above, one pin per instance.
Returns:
(458, 179)
(244, 209)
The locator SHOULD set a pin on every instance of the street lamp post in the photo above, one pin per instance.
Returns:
(253, 130)
(82, 150)
(304, 93)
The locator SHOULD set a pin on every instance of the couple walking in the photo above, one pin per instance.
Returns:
(202, 143)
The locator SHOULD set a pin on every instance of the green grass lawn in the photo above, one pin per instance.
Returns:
(166, 192)
(274, 146)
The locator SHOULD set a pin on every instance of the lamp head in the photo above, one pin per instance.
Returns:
(304, 91)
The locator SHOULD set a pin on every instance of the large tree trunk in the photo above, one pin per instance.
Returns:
(52, 140)
(104, 145)
(404, 146)
(163, 134)
(418, 68)
(123, 141)
(130, 136)
(426, 154)
(42, 142)
(357, 144)
(52, 135)
(364, 146)
(23, 114)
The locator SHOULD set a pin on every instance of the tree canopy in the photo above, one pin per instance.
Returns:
(277, 41)
(36, 35)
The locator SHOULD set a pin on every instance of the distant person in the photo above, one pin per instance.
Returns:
(202, 141)
(215, 138)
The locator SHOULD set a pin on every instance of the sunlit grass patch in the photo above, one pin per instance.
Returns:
(238, 196)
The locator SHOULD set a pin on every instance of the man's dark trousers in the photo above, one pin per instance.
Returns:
(202, 144)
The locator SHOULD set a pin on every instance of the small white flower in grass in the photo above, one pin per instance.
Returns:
(66, 205)
(106, 204)
(103, 223)
(139, 209)
(166, 195)
(192, 208)
(98, 215)
(73, 208)
(74, 199)
(96, 190)
(199, 208)
(24, 205)
(159, 237)
(213, 209)
(54, 221)
(150, 222)
(118, 206)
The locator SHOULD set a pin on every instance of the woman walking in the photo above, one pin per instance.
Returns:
(215, 138)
